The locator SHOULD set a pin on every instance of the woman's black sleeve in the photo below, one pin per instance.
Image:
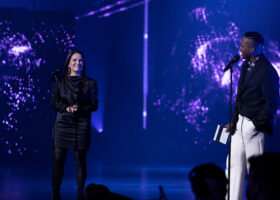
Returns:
(56, 101)
(93, 103)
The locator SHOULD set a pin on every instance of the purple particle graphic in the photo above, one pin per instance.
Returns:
(21, 58)
(195, 87)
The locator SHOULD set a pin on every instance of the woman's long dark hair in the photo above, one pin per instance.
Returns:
(66, 65)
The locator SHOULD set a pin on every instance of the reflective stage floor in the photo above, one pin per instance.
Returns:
(137, 182)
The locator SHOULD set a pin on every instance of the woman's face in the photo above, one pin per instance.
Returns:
(76, 64)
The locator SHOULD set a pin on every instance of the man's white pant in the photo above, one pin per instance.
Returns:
(246, 142)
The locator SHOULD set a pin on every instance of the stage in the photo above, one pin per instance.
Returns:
(137, 182)
(158, 66)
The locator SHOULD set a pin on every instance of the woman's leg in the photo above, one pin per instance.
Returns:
(59, 157)
(80, 157)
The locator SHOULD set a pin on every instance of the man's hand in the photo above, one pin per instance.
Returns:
(228, 127)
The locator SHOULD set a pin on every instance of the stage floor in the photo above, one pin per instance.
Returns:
(137, 182)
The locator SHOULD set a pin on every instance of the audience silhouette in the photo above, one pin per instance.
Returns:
(264, 177)
(208, 182)
(101, 192)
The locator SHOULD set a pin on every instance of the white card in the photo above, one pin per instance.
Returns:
(221, 135)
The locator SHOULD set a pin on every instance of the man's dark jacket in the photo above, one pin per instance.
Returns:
(257, 95)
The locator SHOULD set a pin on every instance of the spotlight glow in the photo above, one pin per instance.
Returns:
(109, 8)
(145, 64)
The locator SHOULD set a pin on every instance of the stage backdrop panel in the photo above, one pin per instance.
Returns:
(32, 45)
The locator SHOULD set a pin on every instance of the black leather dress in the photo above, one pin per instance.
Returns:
(72, 130)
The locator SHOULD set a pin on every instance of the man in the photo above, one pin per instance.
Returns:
(255, 106)
(208, 182)
(264, 177)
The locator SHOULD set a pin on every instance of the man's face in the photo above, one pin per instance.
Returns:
(247, 47)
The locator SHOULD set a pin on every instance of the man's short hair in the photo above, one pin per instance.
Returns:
(255, 36)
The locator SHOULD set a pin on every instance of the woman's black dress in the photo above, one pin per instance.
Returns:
(72, 130)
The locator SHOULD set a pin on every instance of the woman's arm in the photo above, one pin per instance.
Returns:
(56, 101)
(93, 104)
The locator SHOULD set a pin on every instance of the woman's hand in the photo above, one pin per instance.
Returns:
(69, 109)
(72, 109)
(75, 108)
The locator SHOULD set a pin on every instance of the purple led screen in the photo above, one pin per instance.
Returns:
(193, 88)
(31, 48)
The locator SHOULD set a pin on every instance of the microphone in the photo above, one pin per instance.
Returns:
(235, 59)
(57, 71)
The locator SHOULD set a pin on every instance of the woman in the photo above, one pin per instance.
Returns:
(74, 98)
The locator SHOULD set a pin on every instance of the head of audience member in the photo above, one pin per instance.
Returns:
(208, 182)
(101, 192)
(264, 177)
(96, 192)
